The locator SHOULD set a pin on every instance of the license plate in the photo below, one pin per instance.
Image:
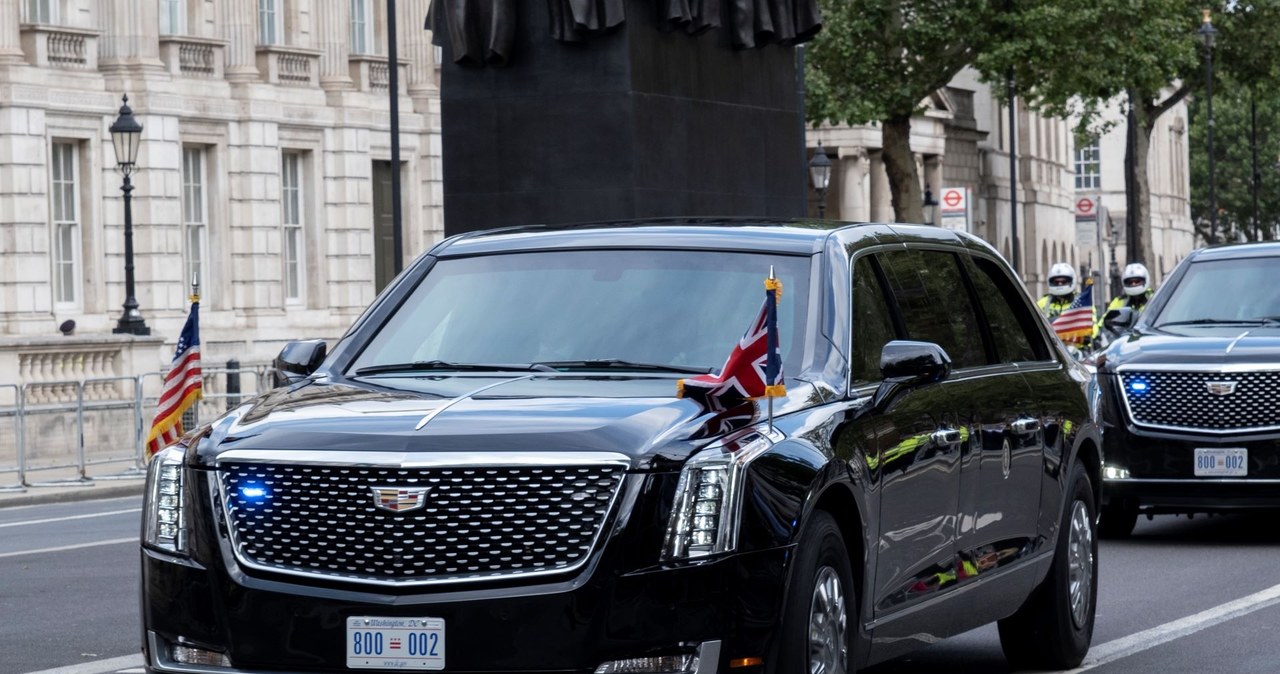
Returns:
(395, 643)
(1222, 462)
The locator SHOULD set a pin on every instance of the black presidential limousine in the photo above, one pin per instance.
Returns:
(1191, 395)
(491, 472)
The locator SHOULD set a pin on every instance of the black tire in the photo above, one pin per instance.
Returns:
(1117, 520)
(1046, 633)
(820, 556)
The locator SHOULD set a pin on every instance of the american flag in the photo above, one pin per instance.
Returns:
(754, 368)
(182, 386)
(1076, 323)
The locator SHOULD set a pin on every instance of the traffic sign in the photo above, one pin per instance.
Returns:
(953, 199)
(955, 208)
(1084, 206)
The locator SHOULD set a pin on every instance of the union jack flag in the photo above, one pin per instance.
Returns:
(1077, 322)
(183, 386)
(754, 368)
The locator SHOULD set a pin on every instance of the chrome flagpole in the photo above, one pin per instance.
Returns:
(775, 301)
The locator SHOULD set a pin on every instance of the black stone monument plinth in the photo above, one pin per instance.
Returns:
(632, 123)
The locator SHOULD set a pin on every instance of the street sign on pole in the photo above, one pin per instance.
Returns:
(955, 209)
(1087, 222)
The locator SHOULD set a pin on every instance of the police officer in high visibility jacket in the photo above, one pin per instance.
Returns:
(1137, 289)
(1063, 288)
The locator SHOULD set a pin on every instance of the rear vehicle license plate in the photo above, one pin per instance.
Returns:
(1222, 462)
(395, 643)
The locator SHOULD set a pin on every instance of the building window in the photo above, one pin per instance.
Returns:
(195, 217)
(361, 27)
(42, 11)
(292, 216)
(172, 17)
(269, 31)
(66, 224)
(1089, 166)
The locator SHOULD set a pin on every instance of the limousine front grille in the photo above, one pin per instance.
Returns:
(465, 522)
(1203, 401)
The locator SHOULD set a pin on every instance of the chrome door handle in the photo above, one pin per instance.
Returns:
(946, 437)
(1025, 426)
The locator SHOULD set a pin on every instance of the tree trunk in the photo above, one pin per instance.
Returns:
(1141, 124)
(900, 165)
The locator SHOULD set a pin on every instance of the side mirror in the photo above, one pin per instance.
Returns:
(297, 360)
(1120, 320)
(906, 365)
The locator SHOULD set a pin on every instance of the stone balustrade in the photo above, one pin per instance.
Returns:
(289, 65)
(373, 73)
(60, 46)
(195, 57)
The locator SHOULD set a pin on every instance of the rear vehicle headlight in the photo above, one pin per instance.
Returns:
(704, 518)
(166, 527)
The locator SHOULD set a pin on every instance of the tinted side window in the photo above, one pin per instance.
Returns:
(1012, 325)
(872, 322)
(934, 303)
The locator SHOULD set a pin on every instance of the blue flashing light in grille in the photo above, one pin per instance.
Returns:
(253, 493)
(1139, 386)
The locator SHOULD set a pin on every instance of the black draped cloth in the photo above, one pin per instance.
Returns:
(482, 32)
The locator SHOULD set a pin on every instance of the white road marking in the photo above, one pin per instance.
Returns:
(97, 666)
(1162, 634)
(71, 517)
(114, 541)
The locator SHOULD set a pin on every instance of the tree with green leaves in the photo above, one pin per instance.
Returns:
(1246, 121)
(877, 60)
(1078, 58)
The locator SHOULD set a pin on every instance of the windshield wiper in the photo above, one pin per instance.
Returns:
(1216, 321)
(430, 365)
(624, 365)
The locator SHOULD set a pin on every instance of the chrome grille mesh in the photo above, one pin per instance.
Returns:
(1183, 400)
(477, 522)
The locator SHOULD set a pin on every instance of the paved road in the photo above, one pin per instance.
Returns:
(1196, 596)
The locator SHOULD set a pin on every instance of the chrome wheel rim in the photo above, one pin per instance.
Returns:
(1080, 563)
(828, 650)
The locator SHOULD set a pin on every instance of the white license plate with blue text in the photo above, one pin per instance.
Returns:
(395, 643)
(1222, 462)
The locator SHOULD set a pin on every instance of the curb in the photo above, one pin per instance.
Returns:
(39, 495)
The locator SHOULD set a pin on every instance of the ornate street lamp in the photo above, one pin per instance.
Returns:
(820, 177)
(126, 135)
(1206, 33)
(930, 205)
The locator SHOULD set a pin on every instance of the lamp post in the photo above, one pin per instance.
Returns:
(1207, 32)
(126, 134)
(930, 206)
(820, 177)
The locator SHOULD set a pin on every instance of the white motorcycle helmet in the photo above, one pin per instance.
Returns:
(1062, 279)
(1136, 279)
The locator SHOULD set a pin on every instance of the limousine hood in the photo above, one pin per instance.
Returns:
(1243, 346)
(638, 416)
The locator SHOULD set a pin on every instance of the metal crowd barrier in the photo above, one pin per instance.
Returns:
(11, 456)
(104, 421)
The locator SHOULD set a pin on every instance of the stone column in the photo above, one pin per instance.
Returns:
(416, 48)
(335, 37)
(130, 35)
(853, 192)
(881, 199)
(239, 22)
(10, 39)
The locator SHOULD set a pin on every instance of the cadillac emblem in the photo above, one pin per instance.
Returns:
(399, 499)
(1221, 388)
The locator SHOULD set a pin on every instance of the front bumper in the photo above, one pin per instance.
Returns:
(1159, 470)
(276, 625)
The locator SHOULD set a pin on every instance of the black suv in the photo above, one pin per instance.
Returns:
(1192, 394)
(491, 472)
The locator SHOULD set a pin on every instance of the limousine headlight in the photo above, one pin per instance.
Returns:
(705, 516)
(166, 527)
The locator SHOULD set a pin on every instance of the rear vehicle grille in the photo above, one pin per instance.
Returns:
(476, 522)
(1184, 400)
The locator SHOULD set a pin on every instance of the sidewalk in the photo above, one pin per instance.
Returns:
(66, 489)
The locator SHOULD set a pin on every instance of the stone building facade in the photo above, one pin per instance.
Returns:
(961, 139)
(264, 165)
